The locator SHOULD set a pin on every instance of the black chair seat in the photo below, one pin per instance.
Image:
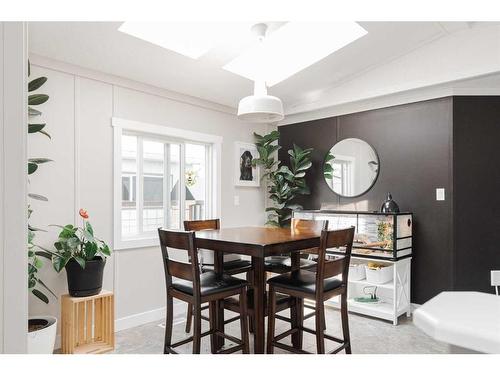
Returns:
(303, 281)
(284, 264)
(283, 301)
(210, 283)
(232, 267)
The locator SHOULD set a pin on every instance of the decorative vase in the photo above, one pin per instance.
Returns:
(84, 282)
(389, 205)
(41, 334)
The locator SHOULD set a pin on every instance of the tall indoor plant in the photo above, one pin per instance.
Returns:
(285, 182)
(41, 329)
(82, 255)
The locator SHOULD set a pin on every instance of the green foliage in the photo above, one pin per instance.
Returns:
(327, 166)
(285, 183)
(34, 265)
(79, 244)
(35, 252)
(34, 100)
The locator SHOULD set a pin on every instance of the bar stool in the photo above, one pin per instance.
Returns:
(233, 267)
(282, 301)
(320, 286)
(283, 263)
(196, 288)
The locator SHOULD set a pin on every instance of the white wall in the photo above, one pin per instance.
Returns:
(466, 62)
(13, 212)
(78, 117)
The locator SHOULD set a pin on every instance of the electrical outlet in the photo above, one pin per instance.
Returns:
(440, 195)
(495, 278)
(236, 200)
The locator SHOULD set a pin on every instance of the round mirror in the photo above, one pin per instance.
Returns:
(351, 167)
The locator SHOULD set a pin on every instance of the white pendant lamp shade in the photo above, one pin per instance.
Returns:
(260, 107)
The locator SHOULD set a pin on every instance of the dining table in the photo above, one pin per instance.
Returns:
(258, 243)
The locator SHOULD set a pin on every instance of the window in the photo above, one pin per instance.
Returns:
(163, 176)
(342, 175)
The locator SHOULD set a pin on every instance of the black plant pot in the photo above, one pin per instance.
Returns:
(85, 282)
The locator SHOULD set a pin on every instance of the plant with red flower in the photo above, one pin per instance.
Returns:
(83, 213)
(77, 243)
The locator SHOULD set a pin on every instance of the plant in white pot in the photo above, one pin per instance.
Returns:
(83, 256)
(41, 329)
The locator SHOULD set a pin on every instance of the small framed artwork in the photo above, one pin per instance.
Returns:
(245, 173)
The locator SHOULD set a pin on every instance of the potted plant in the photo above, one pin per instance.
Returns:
(41, 329)
(83, 256)
(284, 183)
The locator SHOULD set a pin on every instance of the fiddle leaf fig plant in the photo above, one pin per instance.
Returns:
(284, 183)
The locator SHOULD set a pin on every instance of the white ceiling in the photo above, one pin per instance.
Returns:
(100, 46)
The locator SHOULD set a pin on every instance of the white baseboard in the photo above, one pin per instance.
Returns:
(139, 319)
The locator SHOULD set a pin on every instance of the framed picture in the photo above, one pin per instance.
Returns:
(245, 174)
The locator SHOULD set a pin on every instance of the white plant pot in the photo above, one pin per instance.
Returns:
(43, 340)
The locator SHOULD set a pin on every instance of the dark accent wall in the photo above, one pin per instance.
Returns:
(476, 179)
(413, 142)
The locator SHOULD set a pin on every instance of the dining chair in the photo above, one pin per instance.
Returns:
(284, 302)
(320, 285)
(192, 286)
(231, 267)
(282, 263)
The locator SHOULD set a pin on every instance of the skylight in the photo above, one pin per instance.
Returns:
(191, 39)
(288, 49)
(292, 48)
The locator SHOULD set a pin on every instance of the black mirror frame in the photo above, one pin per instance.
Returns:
(373, 182)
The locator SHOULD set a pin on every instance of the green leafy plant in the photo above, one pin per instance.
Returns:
(284, 183)
(384, 233)
(34, 265)
(327, 166)
(36, 251)
(78, 243)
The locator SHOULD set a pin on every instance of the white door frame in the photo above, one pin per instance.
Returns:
(13, 187)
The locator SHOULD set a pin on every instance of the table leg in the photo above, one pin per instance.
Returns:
(259, 295)
(219, 314)
(295, 313)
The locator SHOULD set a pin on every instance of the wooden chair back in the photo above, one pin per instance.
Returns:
(308, 225)
(201, 224)
(189, 271)
(330, 268)
(299, 225)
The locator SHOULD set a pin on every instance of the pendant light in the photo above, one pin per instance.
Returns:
(260, 107)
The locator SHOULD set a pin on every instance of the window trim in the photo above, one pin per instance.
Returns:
(153, 130)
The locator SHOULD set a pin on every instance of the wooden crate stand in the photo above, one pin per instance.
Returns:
(88, 324)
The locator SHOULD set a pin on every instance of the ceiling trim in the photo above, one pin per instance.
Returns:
(398, 98)
(348, 78)
(64, 67)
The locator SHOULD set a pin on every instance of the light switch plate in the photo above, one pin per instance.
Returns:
(440, 194)
(236, 200)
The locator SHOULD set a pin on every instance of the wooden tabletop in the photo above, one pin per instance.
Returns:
(258, 241)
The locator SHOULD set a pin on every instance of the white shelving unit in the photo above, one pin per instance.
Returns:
(394, 295)
(373, 228)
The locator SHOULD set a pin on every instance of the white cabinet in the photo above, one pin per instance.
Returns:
(394, 295)
(384, 238)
